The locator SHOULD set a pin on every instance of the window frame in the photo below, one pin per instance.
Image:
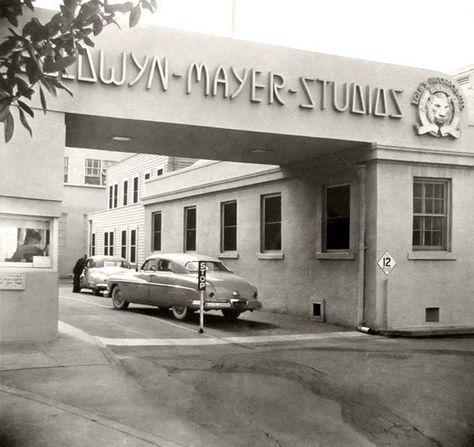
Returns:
(225, 227)
(94, 171)
(93, 241)
(324, 232)
(48, 226)
(123, 244)
(133, 245)
(109, 243)
(264, 223)
(125, 193)
(156, 234)
(115, 195)
(446, 215)
(135, 190)
(186, 229)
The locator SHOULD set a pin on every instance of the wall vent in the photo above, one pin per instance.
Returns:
(432, 314)
(317, 310)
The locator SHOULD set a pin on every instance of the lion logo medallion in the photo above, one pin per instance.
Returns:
(439, 107)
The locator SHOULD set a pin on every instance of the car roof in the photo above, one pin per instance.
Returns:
(106, 258)
(183, 258)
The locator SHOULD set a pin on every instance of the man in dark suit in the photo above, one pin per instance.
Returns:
(77, 271)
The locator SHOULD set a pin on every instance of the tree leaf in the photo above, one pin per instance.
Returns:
(4, 108)
(62, 63)
(7, 45)
(60, 85)
(25, 122)
(43, 100)
(135, 14)
(26, 108)
(33, 70)
(8, 127)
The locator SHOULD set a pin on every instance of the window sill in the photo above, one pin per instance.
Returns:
(270, 256)
(431, 256)
(230, 255)
(344, 256)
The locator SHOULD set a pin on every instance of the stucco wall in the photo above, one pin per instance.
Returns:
(445, 281)
(31, 172)
(301, 277)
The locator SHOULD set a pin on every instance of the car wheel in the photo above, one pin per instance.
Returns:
(117, 299)
(181, 312)
(230, 314)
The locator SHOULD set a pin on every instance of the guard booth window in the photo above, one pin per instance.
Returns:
(336, 218)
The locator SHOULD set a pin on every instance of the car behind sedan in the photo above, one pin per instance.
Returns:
(99, 268)
(170, 281)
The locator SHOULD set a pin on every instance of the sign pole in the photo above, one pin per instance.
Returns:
(201, 313)
(202, 289)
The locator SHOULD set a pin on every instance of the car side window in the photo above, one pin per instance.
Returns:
(148, 264)
(165, 266)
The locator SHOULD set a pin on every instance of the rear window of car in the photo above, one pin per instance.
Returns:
(211, 266)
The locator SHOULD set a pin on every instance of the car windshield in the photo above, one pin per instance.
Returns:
(123, 264)
(211, 266)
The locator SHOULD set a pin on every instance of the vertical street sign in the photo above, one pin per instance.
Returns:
(202, 289)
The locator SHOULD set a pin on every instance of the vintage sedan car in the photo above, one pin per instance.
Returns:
(171, 280)
(99, 268)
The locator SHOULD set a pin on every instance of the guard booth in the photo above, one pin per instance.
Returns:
(400, 137)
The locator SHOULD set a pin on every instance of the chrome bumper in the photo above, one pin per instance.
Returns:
(236, 304)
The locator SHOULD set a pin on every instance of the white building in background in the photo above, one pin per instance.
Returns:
(85, 174)
(119, 229)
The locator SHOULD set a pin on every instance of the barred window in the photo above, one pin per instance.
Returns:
(430, 214)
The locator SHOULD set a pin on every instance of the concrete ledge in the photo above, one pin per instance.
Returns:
(445, 331)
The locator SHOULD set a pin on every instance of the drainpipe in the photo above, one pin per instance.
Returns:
(362, 172)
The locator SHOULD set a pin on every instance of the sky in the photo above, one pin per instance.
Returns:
(433, 34)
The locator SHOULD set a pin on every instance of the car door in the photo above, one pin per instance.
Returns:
(86, 273)
(163, 283)
(141, 289)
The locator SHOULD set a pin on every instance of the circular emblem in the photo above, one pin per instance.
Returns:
(439, 104)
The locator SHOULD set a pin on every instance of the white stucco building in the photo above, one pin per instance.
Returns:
(376, 166)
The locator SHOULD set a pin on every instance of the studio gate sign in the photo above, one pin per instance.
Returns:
(229, 83)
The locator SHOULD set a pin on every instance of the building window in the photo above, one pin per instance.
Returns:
(135, 190)
(159, 172)
(156, 223)
(125, 193)
(111, 196)
(93, 172)
(336, 218)
(92, 244)
(24, 242)
(109, 243)
(271, 222)
(430, 214)
(115, 196)
(66, 169)
(123, 244)
(190, 228)
(133, 246)
(229, 226)
(147, 176)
